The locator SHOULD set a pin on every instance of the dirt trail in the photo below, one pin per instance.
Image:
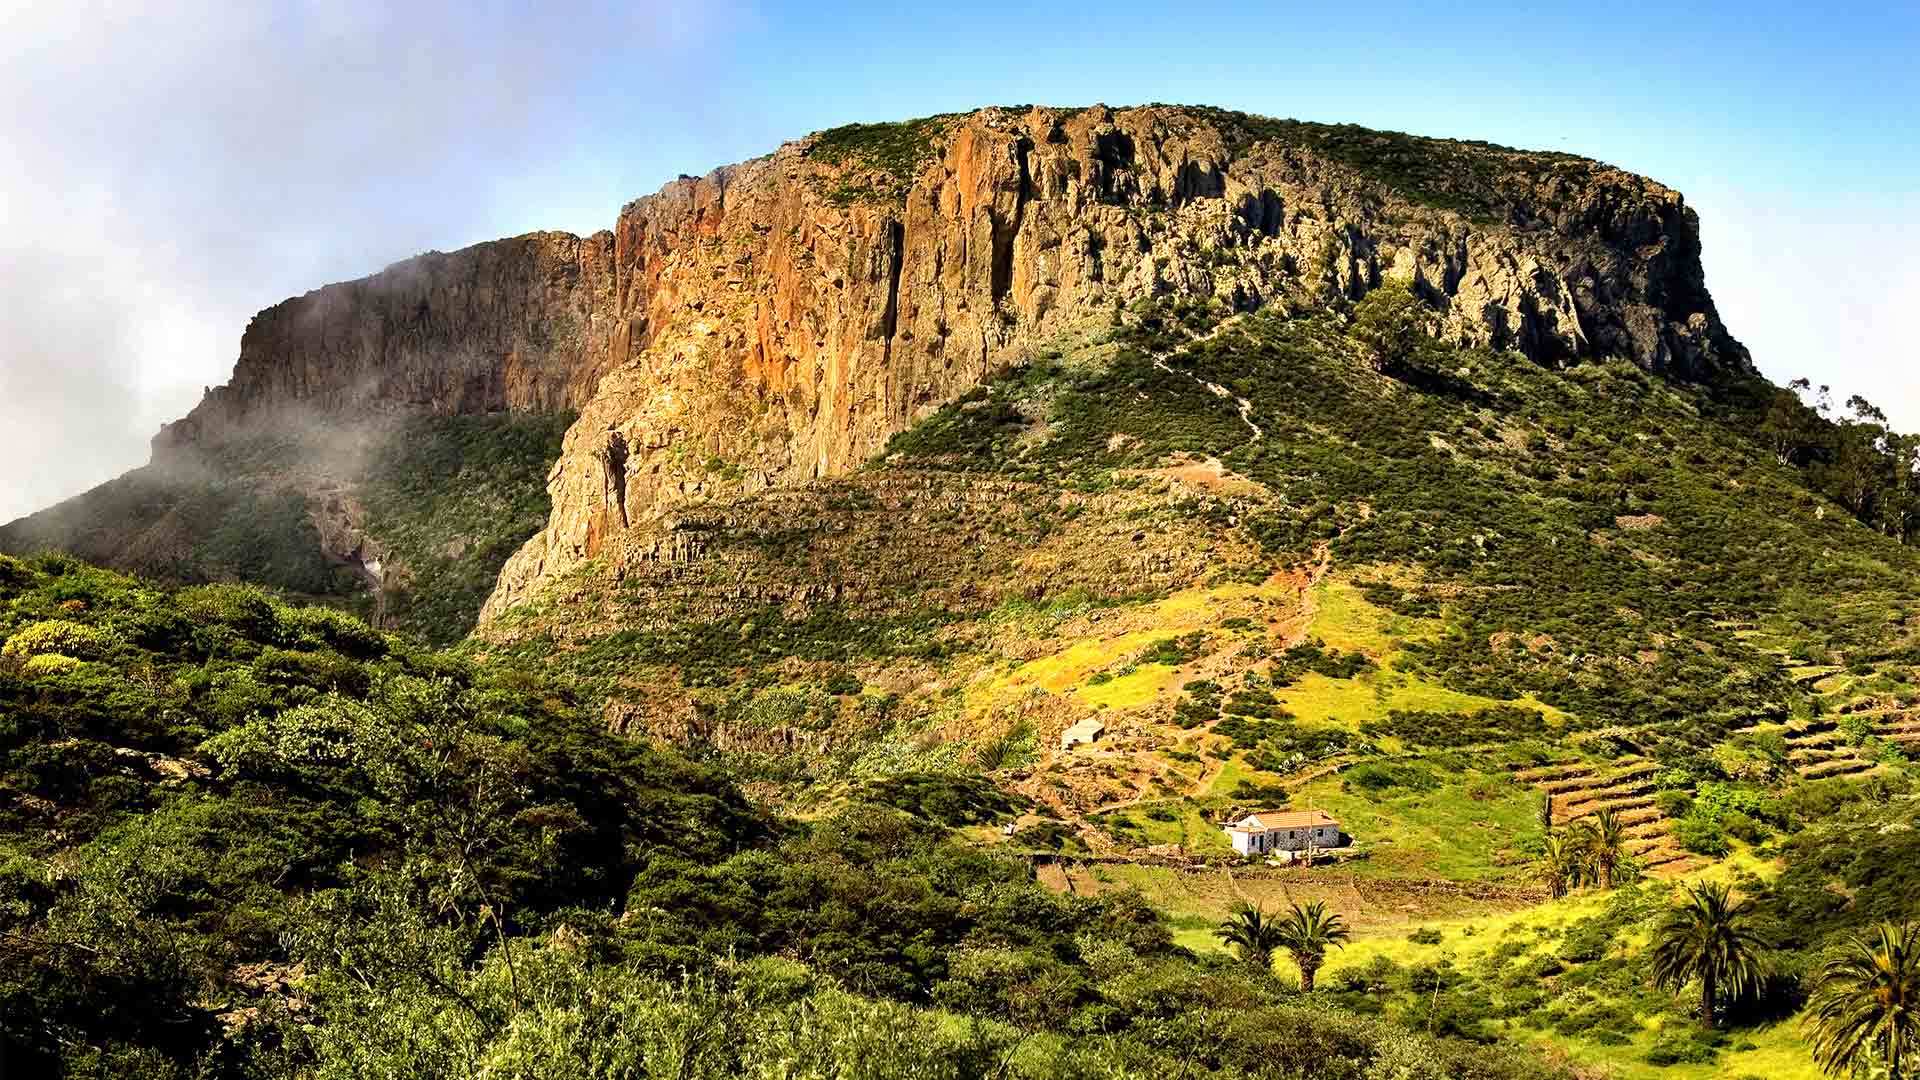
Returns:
(1245, 406)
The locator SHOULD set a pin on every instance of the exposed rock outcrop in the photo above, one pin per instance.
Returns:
(511, 324)
(779, 320)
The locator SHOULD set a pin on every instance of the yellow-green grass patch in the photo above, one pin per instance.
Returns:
(1317, 699)
(1468, 828)
(1778, 1050)
(1232, 772)
(1190, 827)
(1136, 688)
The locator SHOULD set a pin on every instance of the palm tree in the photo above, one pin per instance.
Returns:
(1560, 863)
(1865, 1005)
(1307, 932)
(1582, 839)
(1706, 937)
(1606, 845)
(1252, 934)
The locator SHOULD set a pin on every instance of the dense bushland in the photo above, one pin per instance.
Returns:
(452, 498)
(240, 838)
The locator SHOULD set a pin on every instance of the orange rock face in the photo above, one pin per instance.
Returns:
(780, 319)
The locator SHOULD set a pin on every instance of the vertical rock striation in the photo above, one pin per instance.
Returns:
(506, 325)
(780, 319)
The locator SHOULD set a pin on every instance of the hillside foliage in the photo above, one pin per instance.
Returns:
(247, 839)
(447, 500)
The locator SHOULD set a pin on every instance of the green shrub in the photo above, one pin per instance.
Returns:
(1376, 777)
(1855, 729)
(50, 664)
(1687, 1049)
(1391, 323)
(14, 573)
(59, 636)
(1175, 651)
(946, 799)
(244, 608)
(1701, 835)
(1673, 804)
(311, 627)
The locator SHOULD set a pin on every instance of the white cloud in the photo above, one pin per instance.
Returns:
(170, 169)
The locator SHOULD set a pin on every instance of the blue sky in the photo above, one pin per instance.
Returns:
(172, 171)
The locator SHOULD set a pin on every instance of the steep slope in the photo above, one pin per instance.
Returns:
(779, 320)
(1252, 553)
(1412, 481)
(1449, 602)
(405, 518)
(330, 413)
(506, 325)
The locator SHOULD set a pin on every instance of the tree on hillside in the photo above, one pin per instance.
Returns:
(1708, 937)
(1863, 1016)
(1563, 861)
(1791, 428)
(1606, 846)
(1308, 932)
(1252, 934)
(1900, 508)
(1391, 322)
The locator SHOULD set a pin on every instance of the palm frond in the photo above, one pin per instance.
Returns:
(1864, 1009)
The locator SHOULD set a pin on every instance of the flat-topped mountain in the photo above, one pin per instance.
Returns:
(781, 319)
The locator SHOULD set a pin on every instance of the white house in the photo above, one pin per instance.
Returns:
(1085, 731)
(1283, 830)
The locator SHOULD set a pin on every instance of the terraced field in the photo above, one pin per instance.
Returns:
(1901, 728)
(1817, 751)
(1581, 789)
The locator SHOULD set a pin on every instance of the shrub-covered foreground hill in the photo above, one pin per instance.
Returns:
(406, 519)
(241, 839)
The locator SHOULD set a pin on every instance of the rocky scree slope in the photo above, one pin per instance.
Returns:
(780, 319)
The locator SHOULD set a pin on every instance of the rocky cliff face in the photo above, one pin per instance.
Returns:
(506, 325)
(779, 320)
